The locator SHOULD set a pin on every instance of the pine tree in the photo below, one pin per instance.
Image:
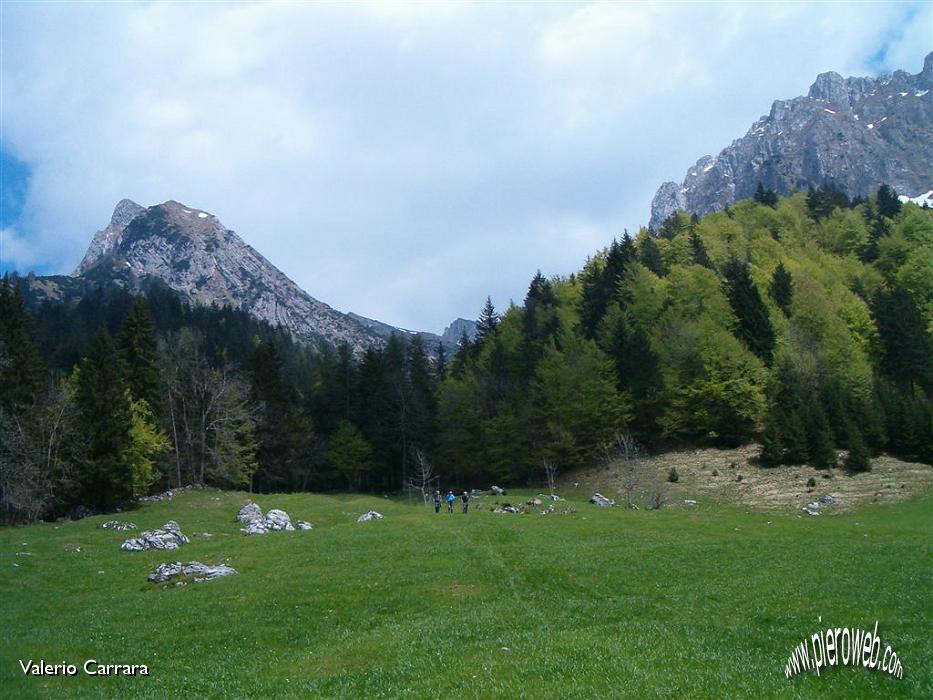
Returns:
(440, 363)
(107, 421)
(905, 344)
(859, 459)
(698, 249)
(488, 321)
(767, 197)
(463, 357)
(824, 200)
(638, 372)
(600, 284)
(540, 323)
(754, 327)
(285, 432)
(138, 348)
(21, 371)
(781, 289)
(650, 256)
(888, 203)
(821, 451)
(422, 390)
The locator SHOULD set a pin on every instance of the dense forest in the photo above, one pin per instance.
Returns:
(804, 323)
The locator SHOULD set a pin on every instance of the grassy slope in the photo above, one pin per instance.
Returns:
(671, 603)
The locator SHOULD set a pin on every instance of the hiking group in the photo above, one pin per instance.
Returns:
(450, 499)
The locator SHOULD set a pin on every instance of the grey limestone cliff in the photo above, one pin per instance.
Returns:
(854, 133)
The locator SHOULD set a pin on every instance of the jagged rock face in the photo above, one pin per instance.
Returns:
(856, 133)
(105, 239)
(453, 332)
(193, 253)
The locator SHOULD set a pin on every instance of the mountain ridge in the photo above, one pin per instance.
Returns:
(194, 254)
(855, 133)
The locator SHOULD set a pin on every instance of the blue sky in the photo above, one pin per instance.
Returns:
(399, 161)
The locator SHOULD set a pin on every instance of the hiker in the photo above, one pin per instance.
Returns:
(437, 501)
(466, 501)
(450, 501)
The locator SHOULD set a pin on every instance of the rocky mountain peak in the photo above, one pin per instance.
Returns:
(124, 212)
(192, 252)
(855, 133)
(830, 87)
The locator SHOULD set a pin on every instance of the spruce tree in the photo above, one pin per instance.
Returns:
(440, 363)
(21, 371)
(754, 327)
(698, 249)
(650, 256)
(859, 459)
(488, 321)
(138, 348)
(781, 289)
(905, 345)
(767, 197)
(600, 284)
(888, 203)
(106, 419)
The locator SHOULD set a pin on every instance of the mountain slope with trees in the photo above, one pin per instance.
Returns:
(805, 323)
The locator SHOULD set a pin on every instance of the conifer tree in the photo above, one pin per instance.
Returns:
(601, 284)
(781, 289)
(440, 363)
(107, 421)
(698, 249)
(650, 256)
(888, 203)
(488, 321)
(21, 371)
(138, 348)
(767, 197)
(754, 327)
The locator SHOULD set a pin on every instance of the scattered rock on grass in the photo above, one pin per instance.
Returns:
(496, 491)
(249, 513)
(507, 508)
(371, 515)
(117, 525)
(195, 569)
(256, 524)
(303, 525)
(169, 536)
(600, 500)
(690, 503)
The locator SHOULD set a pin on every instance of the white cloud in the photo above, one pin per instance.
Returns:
(399, 160)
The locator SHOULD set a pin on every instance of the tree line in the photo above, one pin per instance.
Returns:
(802, 322)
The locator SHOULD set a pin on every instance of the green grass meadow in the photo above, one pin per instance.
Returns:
(701, 603)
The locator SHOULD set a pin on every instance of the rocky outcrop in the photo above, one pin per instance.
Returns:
(456, 330)
(192, 570)
(854, 133)
(105, 240)
(600, 500)
(249, 513)
(257, 524)
(169, 536)
(371, 515)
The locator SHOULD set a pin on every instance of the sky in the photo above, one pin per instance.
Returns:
(396, 160)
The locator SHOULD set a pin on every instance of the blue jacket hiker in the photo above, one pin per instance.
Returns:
(450, 501)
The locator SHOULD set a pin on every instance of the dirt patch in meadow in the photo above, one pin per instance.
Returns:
(714, 474)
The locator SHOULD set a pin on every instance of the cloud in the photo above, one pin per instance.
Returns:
(399, 160)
